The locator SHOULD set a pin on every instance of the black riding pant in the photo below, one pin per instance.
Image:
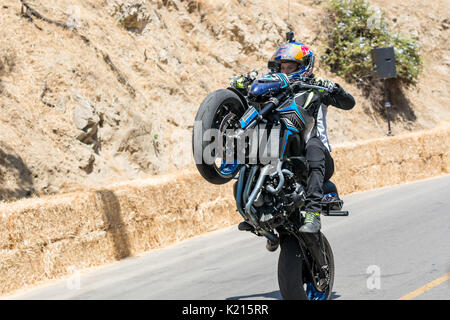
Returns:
(321, 168)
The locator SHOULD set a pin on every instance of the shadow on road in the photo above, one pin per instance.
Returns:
(273, 295)
(114, 225)
(334, 296)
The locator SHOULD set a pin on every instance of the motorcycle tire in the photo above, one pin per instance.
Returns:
(209, 117)
(291, 272)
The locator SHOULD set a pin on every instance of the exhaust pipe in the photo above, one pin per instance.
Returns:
(249, 205)
(280, 173)
(250, 211)
(239, 192)
(251, 178)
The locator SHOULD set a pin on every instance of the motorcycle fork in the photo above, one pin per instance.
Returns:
(314, 247)
(314, 243)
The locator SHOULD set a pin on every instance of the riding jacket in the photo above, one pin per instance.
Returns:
(319, 108)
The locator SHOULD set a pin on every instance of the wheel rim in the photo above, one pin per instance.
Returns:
(225, 118)
(311, 288)
(228, 168)
(314, 294)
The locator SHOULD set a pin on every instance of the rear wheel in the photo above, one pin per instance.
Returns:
(294, 279)
(290, 267)
(311, 291)
(221, 110)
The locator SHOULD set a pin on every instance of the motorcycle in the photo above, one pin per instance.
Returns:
(270, 188)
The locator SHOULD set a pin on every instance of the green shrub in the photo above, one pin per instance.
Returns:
(354, 30)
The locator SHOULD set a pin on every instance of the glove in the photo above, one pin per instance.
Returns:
(243, 81)
(330, 85)
(238, 82)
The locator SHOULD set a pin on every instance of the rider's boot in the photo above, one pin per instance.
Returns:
(312, 222)
(245, 226)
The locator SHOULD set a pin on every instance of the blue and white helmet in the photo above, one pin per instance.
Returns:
(294, 52)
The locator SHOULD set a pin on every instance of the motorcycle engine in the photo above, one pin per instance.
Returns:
(273, 209)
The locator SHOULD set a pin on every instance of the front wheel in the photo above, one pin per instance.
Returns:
(220, 111)
(294, 279)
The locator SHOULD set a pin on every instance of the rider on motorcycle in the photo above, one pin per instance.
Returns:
(296, 60)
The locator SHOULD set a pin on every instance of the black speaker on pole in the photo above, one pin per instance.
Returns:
(383, 61)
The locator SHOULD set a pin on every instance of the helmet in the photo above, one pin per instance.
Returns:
(293, 52)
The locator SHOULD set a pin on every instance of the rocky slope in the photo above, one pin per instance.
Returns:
(96, 91)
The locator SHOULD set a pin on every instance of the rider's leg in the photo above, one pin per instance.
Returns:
(321, 168)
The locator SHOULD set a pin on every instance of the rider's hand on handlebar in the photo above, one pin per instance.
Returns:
(244, 80)
(328, 84)
(238, 82)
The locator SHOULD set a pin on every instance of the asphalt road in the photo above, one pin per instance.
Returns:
(395, 241)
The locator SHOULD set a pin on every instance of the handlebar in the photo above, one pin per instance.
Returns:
(275, 101)
(272, 105)
(304, 85)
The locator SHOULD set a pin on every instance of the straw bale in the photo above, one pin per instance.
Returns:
(173, 211)
(398, 149)
(434, 166)
(435, 141)
(95, 248)
(39, 224)
(18, 267)
(355, 155)
(446, 162)
(54, 260)
(413, 170)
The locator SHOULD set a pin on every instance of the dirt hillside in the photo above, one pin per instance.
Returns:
(96, 91)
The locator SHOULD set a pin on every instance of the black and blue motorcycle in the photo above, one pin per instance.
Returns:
(270, 186)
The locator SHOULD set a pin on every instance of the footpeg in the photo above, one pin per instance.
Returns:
(332, 206)
(245, 226)
(336, 213)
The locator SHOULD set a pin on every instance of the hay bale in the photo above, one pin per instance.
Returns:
(435, 142)
(398, 149)
(355, 155)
